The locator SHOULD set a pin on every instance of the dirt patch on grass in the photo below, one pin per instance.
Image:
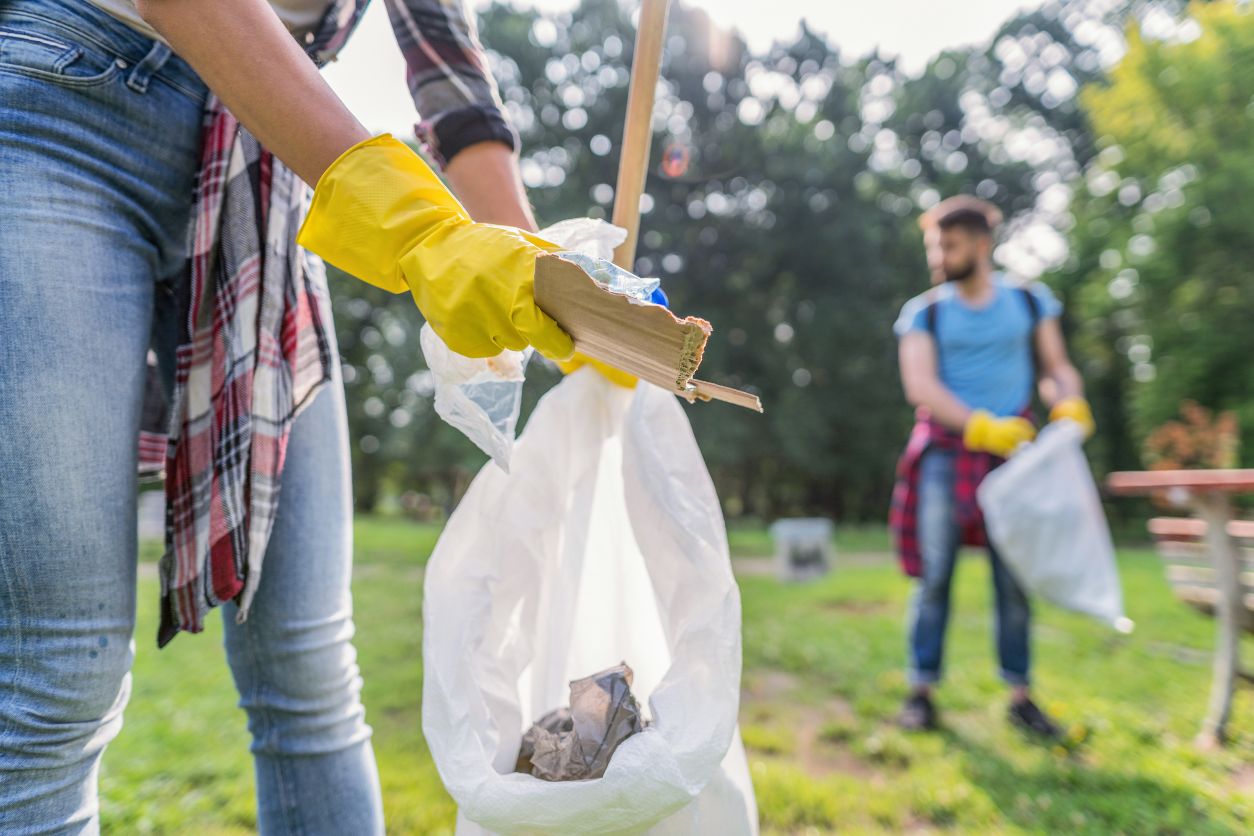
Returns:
(1180, 653)
(768, 686)
(822, 752)
(854, 606)
(820, 731)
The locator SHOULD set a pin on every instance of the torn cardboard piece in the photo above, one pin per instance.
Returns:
(647, 341)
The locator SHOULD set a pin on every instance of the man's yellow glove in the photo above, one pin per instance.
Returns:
(1078, 410)
(381, 214)
(986, 433)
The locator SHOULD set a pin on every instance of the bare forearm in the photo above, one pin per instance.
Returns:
(1059, 378)
(940, 402)
(922, 383)
(249, 60)
(1067, 383)
(486, 180)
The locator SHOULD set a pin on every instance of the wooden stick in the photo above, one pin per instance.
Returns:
(633, 170)
(633, 162)
(705, 391)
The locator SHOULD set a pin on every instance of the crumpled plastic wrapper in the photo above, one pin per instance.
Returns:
(612, 277)
(576, 743)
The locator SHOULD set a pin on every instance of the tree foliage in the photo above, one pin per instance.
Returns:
(781, 203)
(1162, 251)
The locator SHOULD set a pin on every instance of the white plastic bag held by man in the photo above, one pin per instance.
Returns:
(1043, 514)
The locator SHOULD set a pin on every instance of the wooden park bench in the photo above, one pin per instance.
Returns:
(1181, 543)
(1209, 565)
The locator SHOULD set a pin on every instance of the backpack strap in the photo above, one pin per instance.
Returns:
(1034, 306)
(1034, 314)
(930, 314)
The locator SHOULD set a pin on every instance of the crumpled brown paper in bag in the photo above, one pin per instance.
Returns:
(576, 743)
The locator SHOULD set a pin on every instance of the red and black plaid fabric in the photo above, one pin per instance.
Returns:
(254, 348)
(969, 470)
(448, 77)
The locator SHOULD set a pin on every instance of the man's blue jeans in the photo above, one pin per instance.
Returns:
(939, 537)
(99, 146)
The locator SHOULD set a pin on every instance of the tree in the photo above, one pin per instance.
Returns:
(781, 204)
(1163, 241)
(789, 218)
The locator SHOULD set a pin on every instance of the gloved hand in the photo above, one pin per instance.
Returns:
(1078, 410)
(986, 433)
(381, 214)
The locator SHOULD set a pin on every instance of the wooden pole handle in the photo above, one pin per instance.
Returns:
(633, 168)
(633, 163)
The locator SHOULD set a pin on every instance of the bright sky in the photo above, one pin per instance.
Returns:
(370, 73)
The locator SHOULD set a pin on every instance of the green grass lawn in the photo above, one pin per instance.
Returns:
(822, 682)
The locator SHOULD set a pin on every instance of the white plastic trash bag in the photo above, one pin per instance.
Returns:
(604, 543)
(1044, 516)
(479, 396)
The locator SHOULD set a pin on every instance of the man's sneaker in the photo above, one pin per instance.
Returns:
(1028, 717)
(918, 714)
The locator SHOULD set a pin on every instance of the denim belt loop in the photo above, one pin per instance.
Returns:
(148, 67)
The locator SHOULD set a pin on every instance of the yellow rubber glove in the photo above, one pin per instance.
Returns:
(613, 375)
(1078, 410)
(986, 433)
(381, 214)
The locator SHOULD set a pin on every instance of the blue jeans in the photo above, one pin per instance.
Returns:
(939, 537)
(99, 146)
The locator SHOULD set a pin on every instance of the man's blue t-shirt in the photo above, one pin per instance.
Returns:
(985, 353)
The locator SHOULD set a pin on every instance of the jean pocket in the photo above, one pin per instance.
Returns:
(54, 59)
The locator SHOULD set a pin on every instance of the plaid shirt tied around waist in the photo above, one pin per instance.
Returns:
(970, 468)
